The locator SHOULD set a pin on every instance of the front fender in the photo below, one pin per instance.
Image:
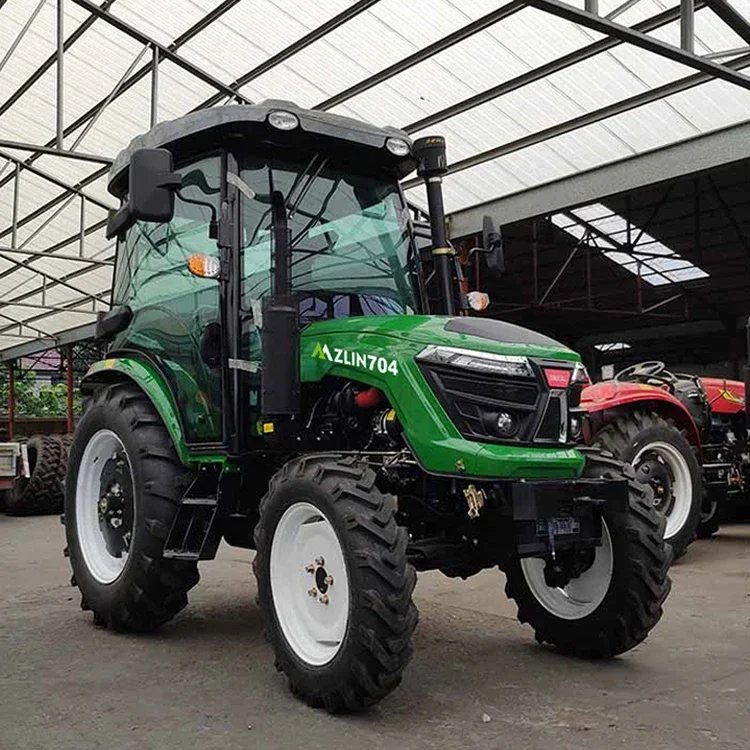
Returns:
(153, 385)
(600, 398)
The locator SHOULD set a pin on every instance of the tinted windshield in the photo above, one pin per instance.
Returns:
(351, 246)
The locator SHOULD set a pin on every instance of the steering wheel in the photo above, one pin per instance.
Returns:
(640, 370)
(651, 372)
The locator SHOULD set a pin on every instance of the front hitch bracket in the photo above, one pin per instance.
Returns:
(553, 516)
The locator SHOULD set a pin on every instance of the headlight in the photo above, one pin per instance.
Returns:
(282, 120)
(580, 374)
(484, 362)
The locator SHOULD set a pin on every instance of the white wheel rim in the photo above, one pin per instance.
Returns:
(313, 618)
(583, 595)
(682, 485)
(103, 566)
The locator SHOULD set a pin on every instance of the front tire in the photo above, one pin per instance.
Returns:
(123, 489)
(615, 603)
(334, 582)
(663, 459)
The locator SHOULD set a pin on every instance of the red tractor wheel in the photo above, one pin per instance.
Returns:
(663, 459)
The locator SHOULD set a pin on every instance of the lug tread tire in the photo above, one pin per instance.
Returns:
(377, 646)
(621, 438)
(151, 589)
(709, 526)
(640, 580)
(42, 492)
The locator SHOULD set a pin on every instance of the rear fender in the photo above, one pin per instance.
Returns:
(606, 400)
(151, 382)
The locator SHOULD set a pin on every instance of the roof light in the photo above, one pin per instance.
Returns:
(398, 146)
(282, 120)
(204, 266)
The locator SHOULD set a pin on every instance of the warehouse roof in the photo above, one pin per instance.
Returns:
(526, 92)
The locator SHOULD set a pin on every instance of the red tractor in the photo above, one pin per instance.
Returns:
(726, 460)
(686, 436)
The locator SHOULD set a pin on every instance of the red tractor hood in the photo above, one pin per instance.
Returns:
(610, 394)
(725, 396)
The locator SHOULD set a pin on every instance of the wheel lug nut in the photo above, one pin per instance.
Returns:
(309, 568)
(329, 580)
(324, 599)
(312, 592)
(320, 561)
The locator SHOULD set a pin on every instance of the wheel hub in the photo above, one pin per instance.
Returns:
(323, 580)
(654, 472)
(567, 565)
(115, 506)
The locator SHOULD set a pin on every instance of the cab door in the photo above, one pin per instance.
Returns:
(176, 314)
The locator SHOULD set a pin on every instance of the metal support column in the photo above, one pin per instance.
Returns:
(14, 214)
(69, 391)
(687, 25)
(60, 73)
(535, 254)
(11, 399)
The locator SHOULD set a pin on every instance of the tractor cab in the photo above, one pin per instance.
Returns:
(241, 206)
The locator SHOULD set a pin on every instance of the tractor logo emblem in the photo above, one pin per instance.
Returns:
(370, 362)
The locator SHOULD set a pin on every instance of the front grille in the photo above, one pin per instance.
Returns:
(549, 429)
(473, 403)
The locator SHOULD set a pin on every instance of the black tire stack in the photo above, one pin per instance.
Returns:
(42, 492)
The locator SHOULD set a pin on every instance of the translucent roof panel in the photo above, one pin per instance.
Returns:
(523, 96)
(630, 248)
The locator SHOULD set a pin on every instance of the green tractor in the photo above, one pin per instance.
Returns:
(276, 378)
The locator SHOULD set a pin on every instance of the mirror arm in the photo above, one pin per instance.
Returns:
(213, 227)
(119, 220)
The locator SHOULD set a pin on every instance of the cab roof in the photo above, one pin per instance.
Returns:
(199, 131)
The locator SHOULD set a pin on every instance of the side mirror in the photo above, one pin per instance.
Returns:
(492, 241)
(151, 190)
(492, 246)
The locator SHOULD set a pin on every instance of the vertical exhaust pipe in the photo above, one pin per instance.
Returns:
(280, 395)
(431, 166)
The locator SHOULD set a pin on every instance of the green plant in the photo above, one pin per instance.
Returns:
(34, 399)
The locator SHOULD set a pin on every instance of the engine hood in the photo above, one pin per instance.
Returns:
(477, 334)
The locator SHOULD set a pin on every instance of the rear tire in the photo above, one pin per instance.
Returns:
(619, 611)
(41, 493)
(652, 443)
(711, 519)
(132, 588)
(343, 647)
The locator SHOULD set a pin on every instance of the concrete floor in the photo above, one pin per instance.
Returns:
(207, 681)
